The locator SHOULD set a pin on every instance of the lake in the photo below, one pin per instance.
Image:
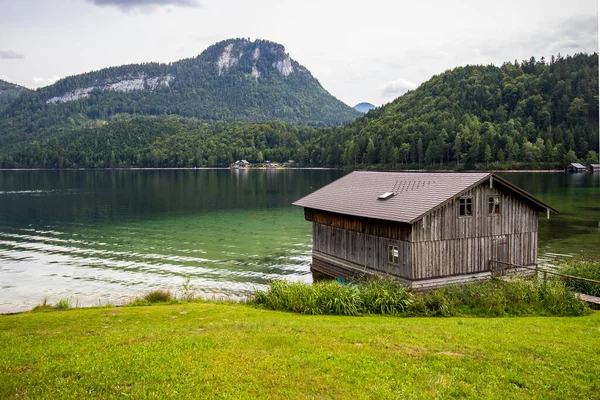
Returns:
(98, 237)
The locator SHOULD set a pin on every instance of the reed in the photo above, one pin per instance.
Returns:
(513, 297)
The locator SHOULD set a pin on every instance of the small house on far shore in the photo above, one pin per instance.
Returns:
(575, 167)
(594, 168)
(240, 164)
(424, 229)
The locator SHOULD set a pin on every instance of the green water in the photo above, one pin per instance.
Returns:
(107, 236)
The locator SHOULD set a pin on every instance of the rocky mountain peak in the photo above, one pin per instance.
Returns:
(254, 58)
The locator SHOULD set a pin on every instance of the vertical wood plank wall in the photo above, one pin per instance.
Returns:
(446, 244)
(440, 245)
(365, 250)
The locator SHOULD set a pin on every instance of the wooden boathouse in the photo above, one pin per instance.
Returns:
(425, 229)
(575, 167)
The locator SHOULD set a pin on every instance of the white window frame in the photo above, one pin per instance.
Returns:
(393, 254)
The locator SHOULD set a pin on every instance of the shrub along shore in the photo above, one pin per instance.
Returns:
(497, 297)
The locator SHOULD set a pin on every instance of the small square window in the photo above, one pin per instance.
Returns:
(393, 256)
(466, 206)
(494, 205)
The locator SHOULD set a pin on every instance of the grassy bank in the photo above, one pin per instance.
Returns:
(211, 350)
(514, 296)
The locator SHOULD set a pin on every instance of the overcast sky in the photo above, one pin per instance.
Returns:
(359, 50)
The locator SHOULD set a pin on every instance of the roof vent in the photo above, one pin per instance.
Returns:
(386, 196)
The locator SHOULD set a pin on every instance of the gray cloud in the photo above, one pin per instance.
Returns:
(127, 5)
(10, 55)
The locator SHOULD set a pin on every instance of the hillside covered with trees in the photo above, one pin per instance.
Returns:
(536, 113)
(533, 114)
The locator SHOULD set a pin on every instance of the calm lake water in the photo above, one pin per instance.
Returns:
(107, 236)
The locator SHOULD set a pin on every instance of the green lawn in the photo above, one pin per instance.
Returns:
(212, 350)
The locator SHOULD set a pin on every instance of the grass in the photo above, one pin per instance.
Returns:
(583, 268)
(229, 351)
(497, 297)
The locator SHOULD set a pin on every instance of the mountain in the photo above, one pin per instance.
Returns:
(8, 93)
(364, 107)
(233, 80)
(536, 113)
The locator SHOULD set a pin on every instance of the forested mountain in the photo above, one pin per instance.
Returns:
(533, 114)
(8, 93)
(364, 107)
(233, 80)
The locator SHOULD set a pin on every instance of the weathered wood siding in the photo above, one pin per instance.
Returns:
(445, 243)
(386, 229)
(366, 250)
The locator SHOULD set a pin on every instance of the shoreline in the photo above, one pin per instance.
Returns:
(284, 169)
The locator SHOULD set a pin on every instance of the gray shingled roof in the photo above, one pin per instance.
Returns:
(415, 194)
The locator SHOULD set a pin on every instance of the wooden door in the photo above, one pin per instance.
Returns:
(499, 252)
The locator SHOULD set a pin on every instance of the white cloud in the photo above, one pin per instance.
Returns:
(41, 81)
(398, 87)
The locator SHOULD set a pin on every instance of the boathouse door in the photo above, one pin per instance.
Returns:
(499, 251)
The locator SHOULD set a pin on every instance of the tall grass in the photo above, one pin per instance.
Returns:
(514, 297)
(585, 269)
(158, 296)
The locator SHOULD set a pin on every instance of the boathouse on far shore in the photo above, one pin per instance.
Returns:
(425, 229)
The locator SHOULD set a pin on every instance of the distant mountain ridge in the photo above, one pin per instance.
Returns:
(364, 107)
(536, 114)
(233, 80)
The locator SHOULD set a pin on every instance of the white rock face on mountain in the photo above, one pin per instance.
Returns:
(284, 66)
(226, 60)
(120, 85)
(71, 96)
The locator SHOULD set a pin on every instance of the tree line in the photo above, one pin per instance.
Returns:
(533, 114)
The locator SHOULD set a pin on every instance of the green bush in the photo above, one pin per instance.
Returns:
(498, 297)
(585, 269)
(385, 296)
(63, 304)
(158, 296)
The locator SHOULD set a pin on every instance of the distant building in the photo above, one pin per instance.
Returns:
(594, 167)
(575, 167)
(240, 164)
(425, 229)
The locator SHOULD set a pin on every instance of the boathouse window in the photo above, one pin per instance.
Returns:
(466, 206)
(393, 254)
(494, 205)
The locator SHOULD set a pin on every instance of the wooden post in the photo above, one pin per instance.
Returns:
(547, 213)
